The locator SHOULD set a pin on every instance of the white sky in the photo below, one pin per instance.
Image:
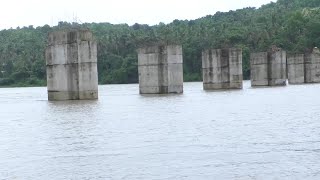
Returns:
(14, 13)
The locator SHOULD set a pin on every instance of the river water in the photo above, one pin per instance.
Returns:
(264, 133)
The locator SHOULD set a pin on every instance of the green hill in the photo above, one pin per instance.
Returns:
(293, 25)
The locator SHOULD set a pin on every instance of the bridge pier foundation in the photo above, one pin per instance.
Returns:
(222, 69)
(160, 69)
(268, 68)
(304, 68)
(71, 59)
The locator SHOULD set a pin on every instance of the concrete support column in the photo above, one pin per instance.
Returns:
(160, 69)
(71, 59)
(235, 68)
(222, 69)
(268, 68)
(304, 68)
(312, 66)
(277, 60)
(296, 66)
(259, 69)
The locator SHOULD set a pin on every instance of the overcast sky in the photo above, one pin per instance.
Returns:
(14, 13)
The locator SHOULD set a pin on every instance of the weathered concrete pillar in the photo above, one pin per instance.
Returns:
(71, 58)
(259, 69)
(222, 69)
(312, 66)
(296, 68)
(160, 69)
(268, 68)
(235, 68)
(304, 68)
(277, 67)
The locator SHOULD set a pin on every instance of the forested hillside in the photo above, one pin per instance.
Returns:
(293, 25)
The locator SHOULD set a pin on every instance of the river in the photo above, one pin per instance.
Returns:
(254, 133)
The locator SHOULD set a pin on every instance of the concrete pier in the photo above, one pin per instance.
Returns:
(277, 67)
(304, 68)
(312, 66)
(259, 69)
(160, 69)
(268, 68)
(222, 69)
(71, 59)
(296, 69)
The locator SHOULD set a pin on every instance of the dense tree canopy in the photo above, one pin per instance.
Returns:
(293, 25)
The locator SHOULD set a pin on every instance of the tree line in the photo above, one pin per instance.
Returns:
(293, 25)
